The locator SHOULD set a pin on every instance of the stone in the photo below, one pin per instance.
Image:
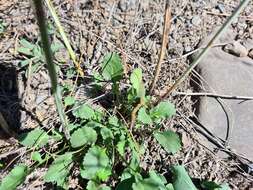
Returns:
(251, 53)
(236, 48)
(196, 20)
(126, 5)
(220, 7)
(227, 74)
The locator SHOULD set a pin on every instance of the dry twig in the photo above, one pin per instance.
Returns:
(166, 29)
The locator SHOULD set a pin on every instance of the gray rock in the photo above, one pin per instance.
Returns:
(236, 48)
(126, 5)
(221, 8)
(196, 20)
(251, 53)
(230, 75)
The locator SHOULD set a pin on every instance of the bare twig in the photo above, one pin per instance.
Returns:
(4, 155)
(214, 95)
(134, 112)
(166, 29)
(205, 50)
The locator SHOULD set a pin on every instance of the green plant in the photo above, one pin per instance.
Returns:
(33, 55)
(97, 141)
(2, 27)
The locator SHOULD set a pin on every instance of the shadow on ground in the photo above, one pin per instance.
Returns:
(9, 101)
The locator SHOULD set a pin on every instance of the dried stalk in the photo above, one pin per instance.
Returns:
(166, 29)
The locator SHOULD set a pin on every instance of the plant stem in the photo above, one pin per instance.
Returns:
(64, 37)
(166, 29)
(50, 65)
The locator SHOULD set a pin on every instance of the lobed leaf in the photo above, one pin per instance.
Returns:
(143, 116)
(169, 140)
(69, 101)
(163, 110)
(96, 164)
(35, 138)
(82, 136)
(59, 169)
(84, 112)
(155, 181)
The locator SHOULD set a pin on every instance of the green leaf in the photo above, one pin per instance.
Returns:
(163, 110)
(223, 186)
(112, 68)
(37, 52)
(14, 178)
(137, 83)
(155, 181)
(34, 138)
(121, 147)
(56, 136)
(84, 112)
(56, 47)
(2, 27)
(82, 136)
(182, 181)
(210, 185)
(113, 120)
(94, 186)
(59, 169)
(143, 116)
(71, 127)
(23, 42)
(96, 164)
(169, 187)
(69, 101)
(169, 140)
(106, 133)
(37, 157)
(25, 51)
(126, 184)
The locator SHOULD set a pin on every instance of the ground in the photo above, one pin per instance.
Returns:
(134, 30)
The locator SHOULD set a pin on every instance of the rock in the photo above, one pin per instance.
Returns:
(126, 5)
(221, 8)
(227, 74)
(196, 20)
(236, 48)
(251, 53)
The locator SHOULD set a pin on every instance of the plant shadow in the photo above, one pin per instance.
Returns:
(9, 101)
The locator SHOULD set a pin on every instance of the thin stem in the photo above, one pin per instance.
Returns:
(166, 29)
(64, 37)
(50, 65)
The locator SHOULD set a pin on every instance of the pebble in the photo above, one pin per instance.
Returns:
(196, 20)
(221, 8)
(126, 5)
(251, 53)
(236, 48)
